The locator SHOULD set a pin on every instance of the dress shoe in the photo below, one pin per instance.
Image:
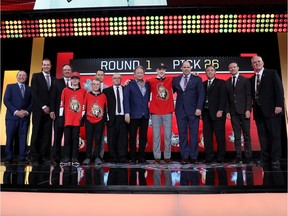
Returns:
(87, 161)
(248, 161)
(45, 162)
(142, 161)
(237, 161)
(220, 161)
(123, 161)
(193, 161)
(35, 163)
(261, 162)
(23, 161)
(275, 163)
(167, 161)
(184, 161)
(208, 161)
(133, 162)
(157, 161)
(8, 161)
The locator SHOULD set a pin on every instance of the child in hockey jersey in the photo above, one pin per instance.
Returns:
(95, 105)
(72, 109)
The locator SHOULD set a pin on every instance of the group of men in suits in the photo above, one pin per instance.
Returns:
(217, 100)
(214, 100)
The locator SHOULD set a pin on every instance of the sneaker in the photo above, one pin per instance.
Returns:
(86, 161)
(75, 163)
(98, 161)
(157, 161)
(62, 164)
(167, 161)
(65, 162)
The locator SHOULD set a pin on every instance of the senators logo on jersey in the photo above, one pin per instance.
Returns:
(96, 110)
(163, 93)
(74, 105)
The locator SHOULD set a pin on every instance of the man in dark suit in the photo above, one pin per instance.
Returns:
(213, 115)
(18, 100)
(136, 99)
(55, 99)
(116, 126)
(189, 103)
(238, 110)
(42, 123)
(268, 103)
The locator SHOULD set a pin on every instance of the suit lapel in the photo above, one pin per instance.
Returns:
(212, 85)
(263, 78)
(17, 88)
(230, 84)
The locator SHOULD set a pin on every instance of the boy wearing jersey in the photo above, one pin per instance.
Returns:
(161, 109)
(71, 107)
(95, 104)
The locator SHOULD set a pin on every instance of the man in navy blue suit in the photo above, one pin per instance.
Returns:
(136, 99)
(18, 101)
(189, 103)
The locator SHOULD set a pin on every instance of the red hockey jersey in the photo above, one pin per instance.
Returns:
(95, 106)
(162, 96)
(72, 106)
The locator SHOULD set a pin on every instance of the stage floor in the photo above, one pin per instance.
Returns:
(174, 178)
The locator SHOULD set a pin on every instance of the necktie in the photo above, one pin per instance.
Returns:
(118, 100)
(257, 83)
(101, 87)
(257, 86)
(48, 82)
(209, 83)
(185, 81)
(67, 82)
(22, 90)
(234, 82)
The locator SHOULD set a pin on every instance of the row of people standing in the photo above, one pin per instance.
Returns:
(191, 95)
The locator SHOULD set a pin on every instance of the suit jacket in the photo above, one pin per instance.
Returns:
(217, 97)
(13, 100)
(40, 92)
(239, 100)
(111, 98)
(271, 93)
(134, 102)
(55, 95)
(192, 98)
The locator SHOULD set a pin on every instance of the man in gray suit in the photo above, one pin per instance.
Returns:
(239, 110)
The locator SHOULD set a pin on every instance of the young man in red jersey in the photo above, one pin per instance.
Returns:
(161, 109)
(95, 105)
(72, 108)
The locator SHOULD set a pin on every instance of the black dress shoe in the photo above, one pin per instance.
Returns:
(237, 161)
(142, 161)
(193, 161)
(261, 162)
(22, 162)
(208, 161)
(248, 161)
(184, 161)
(8, 161)
(133, 162)
(275, 163)
(54, 163)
